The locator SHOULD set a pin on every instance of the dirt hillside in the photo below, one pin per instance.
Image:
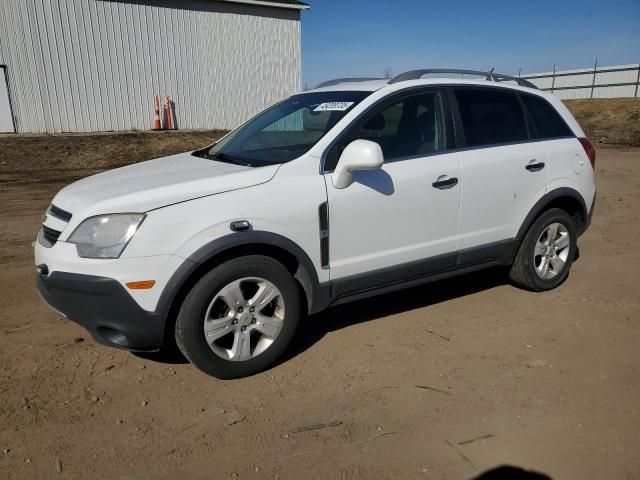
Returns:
(69, 157)
(614, 121)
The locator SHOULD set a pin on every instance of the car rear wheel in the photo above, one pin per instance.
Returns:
(239, 318)
(546, 253)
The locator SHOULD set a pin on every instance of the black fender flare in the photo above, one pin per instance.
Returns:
(306, 273)
(541, 204)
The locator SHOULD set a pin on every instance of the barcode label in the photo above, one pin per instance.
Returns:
(333, 107)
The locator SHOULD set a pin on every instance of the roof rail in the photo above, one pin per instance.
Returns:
(491, 75)
(336, 81)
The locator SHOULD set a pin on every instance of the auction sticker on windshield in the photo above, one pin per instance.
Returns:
(333, 107)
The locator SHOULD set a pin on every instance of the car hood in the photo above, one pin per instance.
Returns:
(157, 183)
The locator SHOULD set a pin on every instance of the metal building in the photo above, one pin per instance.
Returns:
(95, 65)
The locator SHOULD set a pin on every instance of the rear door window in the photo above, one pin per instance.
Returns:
(545, 121)
(491, 117)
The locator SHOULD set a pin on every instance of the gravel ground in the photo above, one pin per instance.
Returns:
(444, 381)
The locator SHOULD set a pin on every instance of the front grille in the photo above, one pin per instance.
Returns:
(59, 213)
(50, 235)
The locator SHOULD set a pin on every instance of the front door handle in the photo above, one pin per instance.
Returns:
(534, 166)
(444, 182)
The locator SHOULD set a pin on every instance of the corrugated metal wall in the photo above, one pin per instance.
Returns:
(94, 65)
(584, 77)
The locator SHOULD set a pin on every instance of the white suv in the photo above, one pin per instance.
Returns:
(356, 188)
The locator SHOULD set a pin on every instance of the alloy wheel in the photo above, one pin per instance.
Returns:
(244, 319)
(552, 251)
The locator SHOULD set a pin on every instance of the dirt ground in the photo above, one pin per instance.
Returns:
(444, 381)
(65, 158)
(609, 120)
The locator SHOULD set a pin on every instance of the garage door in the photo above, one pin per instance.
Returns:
(6, 120)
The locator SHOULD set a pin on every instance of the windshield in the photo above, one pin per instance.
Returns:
(284, 131)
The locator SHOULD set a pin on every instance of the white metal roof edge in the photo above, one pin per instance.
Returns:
(267, 3)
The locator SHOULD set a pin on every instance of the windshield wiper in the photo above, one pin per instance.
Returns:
(227, 159)
(221, 157)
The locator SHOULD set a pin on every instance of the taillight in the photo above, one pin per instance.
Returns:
(589, 150)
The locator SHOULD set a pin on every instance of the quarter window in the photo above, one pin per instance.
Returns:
(491, 117)
(547, 123)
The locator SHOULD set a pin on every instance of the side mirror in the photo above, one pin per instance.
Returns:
(359, 155)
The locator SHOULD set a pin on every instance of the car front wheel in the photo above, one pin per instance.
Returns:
(239, 318)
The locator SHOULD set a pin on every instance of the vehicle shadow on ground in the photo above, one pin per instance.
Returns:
(314, 328)
(169, 354)
(508, 472)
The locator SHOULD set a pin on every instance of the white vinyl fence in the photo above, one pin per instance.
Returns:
(595, 82)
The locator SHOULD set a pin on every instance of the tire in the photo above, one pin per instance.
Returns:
(209, 305)
(528, 269)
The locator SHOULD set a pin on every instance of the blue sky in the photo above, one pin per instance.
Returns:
(362, 37)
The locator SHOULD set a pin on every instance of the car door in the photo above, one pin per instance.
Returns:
(503, 172)
(401, 220)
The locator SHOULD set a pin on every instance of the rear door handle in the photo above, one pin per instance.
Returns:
(444, 182)
(534, 166)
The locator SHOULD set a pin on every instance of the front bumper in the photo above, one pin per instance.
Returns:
(103, 307)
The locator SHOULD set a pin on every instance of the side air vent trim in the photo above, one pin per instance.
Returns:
(323, 214)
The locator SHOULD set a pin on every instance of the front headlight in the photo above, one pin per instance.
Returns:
(105, 236)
